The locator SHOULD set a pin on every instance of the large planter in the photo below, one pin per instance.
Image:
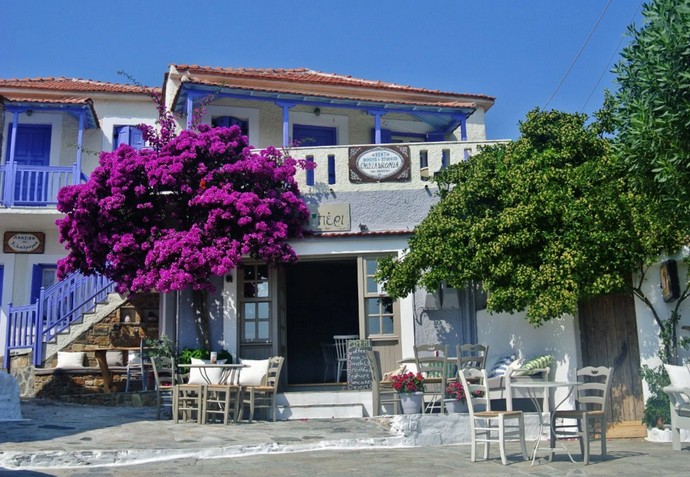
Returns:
(411, 403)
(454, 406)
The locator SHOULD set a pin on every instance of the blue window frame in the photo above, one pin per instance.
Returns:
(313, 136)
(43, 275)
(228, 121)
(2, 271)
(130, 135)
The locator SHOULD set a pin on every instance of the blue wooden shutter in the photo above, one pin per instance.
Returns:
(136, 139)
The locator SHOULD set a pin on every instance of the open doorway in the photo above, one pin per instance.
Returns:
(321, 301)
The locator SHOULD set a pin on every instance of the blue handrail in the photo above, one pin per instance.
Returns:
(59, 305)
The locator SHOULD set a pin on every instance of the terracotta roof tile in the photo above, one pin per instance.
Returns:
(39, 99)
(73, 85)
(307, 76)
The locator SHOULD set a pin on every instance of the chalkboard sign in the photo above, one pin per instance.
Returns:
(358, 371)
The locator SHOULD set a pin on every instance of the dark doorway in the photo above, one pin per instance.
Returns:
(321, 301)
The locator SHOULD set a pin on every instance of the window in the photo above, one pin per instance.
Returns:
(228, 121)
(256, 304)
(380, 310)
(43, 276)
(130, 135)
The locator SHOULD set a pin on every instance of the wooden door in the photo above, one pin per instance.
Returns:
(608, 335)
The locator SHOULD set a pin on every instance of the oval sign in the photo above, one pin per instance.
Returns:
(380, 163)
(24, 242)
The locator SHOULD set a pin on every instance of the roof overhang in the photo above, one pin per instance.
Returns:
(71, 105)
(441, 117)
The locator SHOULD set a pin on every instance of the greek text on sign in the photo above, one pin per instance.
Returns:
(329, 218)
(24, 242)
(379, 163)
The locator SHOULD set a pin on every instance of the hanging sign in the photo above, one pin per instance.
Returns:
(379, 164)
(24, 242)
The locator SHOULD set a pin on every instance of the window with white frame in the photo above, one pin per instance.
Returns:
(381, 312)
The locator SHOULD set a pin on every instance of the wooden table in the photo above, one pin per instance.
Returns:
(100, 353)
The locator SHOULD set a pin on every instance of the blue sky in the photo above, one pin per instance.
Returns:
(515, 50)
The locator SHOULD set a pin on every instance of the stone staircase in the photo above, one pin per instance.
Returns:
(67, 337)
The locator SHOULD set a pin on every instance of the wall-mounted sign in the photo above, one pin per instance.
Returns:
(379, 164)
(24, 242)
(329, 218)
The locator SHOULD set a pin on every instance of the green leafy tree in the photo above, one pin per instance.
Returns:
(542, 222)
(651, 109)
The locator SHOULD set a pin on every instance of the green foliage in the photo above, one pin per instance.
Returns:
(657, 405)
(159, 347)
(652, 107)
(541, 222)
(186, 355)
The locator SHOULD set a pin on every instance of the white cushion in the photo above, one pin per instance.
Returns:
(69, 359)
(680, 378)
(133, 357)
(113, 358)
(679, 375)
(254, 373)
(213, 374)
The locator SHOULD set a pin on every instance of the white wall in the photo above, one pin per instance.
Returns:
(647, 328)
(508, 334)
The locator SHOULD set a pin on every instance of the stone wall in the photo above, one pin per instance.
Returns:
(135, 320)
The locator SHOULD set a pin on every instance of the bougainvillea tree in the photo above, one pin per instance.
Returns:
(173, 216)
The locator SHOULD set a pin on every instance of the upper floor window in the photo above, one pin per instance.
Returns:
(227, 121)
(130, 135)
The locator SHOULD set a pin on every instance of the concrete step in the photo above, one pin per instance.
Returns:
(323, 404)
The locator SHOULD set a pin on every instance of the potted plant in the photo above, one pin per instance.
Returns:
(410, 386)
(456, 400)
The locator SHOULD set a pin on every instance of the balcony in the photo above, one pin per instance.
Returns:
(333, 172)
(35, 186)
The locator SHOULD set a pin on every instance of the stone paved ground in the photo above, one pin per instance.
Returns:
(66, 440)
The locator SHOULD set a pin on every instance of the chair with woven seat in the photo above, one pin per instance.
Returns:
(137, 368)
(264, 395)
(432, 362)
(382, 392)
(486, 425)
(164, 374)
(591, 405)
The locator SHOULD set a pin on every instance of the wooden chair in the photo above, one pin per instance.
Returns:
(264, 395)
(223, 399)
(136, 368)
(432, 362)
(591, 404)
(341, 353)
(471, 356)
(486, 425)
(382, 392)
(330, 361)
(164, 374)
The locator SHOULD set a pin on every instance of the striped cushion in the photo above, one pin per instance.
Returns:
(501, 365)
(538, 362)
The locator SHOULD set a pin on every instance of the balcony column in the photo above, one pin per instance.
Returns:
(462, 119)
(9, 169)
(286, 120)
(377, 124)
(80, 142)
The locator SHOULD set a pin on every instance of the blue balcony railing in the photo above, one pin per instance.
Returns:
(35, 185)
